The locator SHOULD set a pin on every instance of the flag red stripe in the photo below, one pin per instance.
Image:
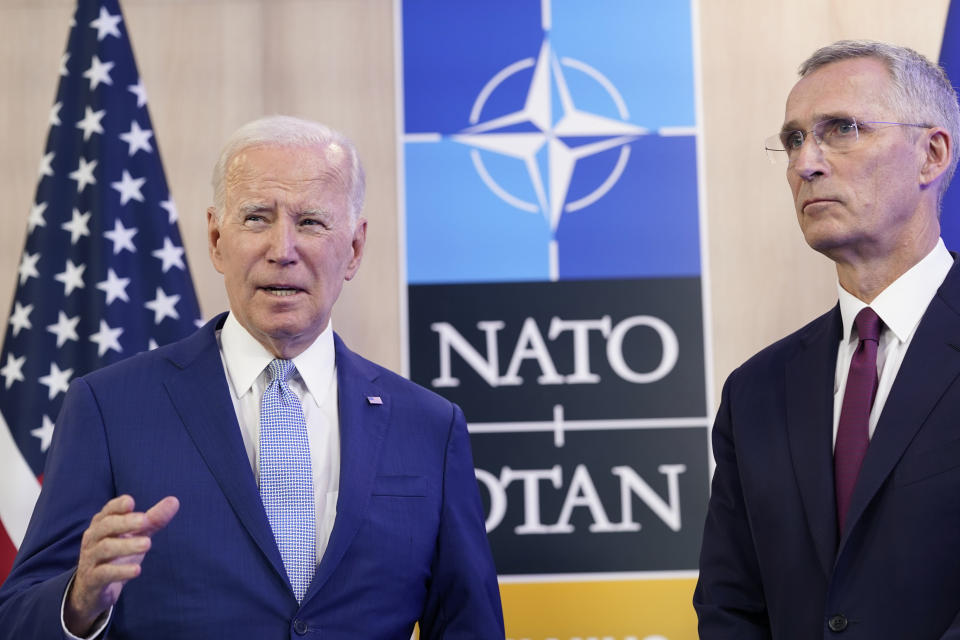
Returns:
(7, 553)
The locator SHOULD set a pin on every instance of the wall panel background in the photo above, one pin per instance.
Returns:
(210, 65)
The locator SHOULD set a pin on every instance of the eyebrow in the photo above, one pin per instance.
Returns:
(313, 212)
(255, 207)
(793, 125)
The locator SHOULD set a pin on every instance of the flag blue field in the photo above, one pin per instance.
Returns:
(103, 273)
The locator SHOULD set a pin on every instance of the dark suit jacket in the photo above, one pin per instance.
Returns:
(408, 542)
(773, 564)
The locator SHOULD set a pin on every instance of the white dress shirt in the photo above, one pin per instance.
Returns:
(315, 382)
(900, 306)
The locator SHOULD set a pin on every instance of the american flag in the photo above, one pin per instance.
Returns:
(103, 273)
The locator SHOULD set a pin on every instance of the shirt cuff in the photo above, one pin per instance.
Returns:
(98, 628)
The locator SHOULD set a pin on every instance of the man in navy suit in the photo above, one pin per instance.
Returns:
(835, 509)
(390, 528)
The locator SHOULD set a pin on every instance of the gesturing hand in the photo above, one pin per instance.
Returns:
(111, 551)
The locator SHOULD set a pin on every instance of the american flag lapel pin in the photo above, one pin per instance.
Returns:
(374, 400)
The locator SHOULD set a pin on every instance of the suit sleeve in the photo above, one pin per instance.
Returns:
(77, 482)
(463, 598)
(729, 596)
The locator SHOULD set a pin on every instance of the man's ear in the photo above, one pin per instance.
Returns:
(358, 243)
(213, 238)
(937, 153)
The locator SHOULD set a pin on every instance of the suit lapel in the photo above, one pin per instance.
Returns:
(809, 408)
(199, 392)
(931, 364)
(363, 425)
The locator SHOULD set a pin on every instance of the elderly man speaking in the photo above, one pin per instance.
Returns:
(287, 487)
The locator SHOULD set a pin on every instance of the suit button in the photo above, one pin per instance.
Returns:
(300, 627)
(837, 623)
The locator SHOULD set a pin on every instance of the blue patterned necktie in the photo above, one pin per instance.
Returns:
(286, 477)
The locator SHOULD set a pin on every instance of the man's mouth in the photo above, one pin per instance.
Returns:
(811, 201)
(280, 291)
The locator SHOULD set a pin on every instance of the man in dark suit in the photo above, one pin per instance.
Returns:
(294, 488)
(835, 508)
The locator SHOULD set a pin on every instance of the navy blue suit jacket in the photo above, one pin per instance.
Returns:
(773, 564)
(408, 542)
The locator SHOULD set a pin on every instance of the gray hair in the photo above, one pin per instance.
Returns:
(282, 131)
(922, 92)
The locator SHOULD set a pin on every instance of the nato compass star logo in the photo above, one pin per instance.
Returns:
(536, 135)
(557, 144)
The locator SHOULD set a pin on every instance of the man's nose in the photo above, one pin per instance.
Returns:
(808, 161)
(283, 242)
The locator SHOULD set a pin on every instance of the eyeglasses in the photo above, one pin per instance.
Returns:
(837, 135)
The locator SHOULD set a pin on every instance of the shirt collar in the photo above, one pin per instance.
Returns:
(245, 359)
(902, 304)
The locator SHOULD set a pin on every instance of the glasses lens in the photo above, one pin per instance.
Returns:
(836, 134)
(775, 149)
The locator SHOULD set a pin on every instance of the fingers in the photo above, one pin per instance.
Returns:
(112, 548)
(160, 515)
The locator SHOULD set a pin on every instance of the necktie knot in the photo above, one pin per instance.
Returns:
(868, 324)
(280, 369)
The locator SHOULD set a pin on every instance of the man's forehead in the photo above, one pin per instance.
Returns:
(293, 165)
(856, 87)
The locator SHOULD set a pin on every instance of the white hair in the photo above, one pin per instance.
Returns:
(287, 131)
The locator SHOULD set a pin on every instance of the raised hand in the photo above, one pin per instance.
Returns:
(111, 551)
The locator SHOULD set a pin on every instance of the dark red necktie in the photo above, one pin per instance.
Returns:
(853, 430)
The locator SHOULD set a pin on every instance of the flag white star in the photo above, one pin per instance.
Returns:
(152, 344)
(55, 114)
(65, 328)
(140, 91)
(137, 138)
(171, 209)
(129, 188)
(84, 174)
(63, 64)
(20, 318)
(115, 287)
(28, 266)
(171, 255)
(91, 122)
(71, 277)
(78, 225)
(107, 339)
(57, 380)
(36, 219)
(163, 306)
(121, 237)
(13, 370)
(98, 72)
(46, 164)
(45, 433)
(106, 24)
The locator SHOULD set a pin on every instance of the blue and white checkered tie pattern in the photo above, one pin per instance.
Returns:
(286, 477)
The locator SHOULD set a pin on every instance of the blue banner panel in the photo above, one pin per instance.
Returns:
(555, 289)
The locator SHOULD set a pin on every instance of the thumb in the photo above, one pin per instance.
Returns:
(159, 515)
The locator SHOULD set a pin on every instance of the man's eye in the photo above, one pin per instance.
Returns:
(792, 140)
(252, 218)
(841, 127)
